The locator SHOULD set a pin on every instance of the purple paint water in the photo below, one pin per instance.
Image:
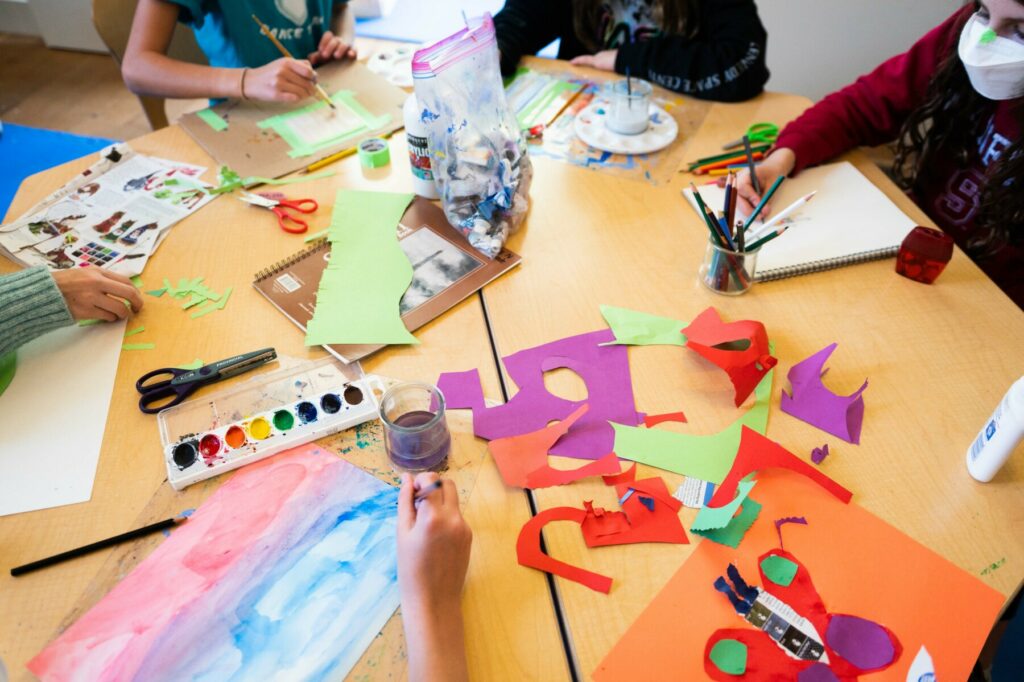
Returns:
(421, 449)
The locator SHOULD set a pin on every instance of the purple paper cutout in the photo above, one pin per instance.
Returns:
(863, 643)
(819, 672)
(779, 523)
(604, 370)
(818, 455)
(811, 402)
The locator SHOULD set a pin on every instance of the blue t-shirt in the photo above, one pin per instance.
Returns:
(230, 38)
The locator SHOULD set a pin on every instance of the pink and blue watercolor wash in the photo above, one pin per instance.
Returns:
(288, 571)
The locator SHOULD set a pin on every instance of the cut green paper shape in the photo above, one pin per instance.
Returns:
(195, 364)
(8, 366)
(214, 306)
(729, 656)
(137, 281)
(989, 36)
(316, 235)
(635, 328)
(212, 119)
(317, 126)
(258, 180)
(707, 457)
(367, 274)
(779, 569)
(137, 330)
(195, 300)
(138, 346)
(709, 518)
(731, 534)
(88, 323)
(157, 292)
(168, 288)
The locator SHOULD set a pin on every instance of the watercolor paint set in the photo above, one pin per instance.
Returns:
(262, 416)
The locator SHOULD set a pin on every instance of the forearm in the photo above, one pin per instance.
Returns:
(525, 26)
(152, 73)
(30, 305)
(434, 640)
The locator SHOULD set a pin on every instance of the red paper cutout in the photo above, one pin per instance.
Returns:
(625, 477)
(746, 366)
(530, 555)
(756, 453)
(546, 476)
(655, 419)
(641, 524)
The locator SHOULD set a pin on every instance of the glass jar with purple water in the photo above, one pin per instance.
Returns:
(415, 429)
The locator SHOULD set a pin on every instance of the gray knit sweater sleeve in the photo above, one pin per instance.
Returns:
(30, 305)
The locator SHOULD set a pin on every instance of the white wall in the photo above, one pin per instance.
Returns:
(817, 46)
(16, 17)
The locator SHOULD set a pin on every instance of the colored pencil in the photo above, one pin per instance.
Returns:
(328, 160)
(565, 106)
(720, 235)
(265, 30)
(768, 238)
(102, 544)
(764, 200)
(700, 170)
(728, 155)
(750, 164)
(784, 213)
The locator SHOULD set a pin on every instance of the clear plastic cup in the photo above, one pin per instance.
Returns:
(727, 272)
(415, 429)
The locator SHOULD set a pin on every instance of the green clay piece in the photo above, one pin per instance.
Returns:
(779, 570)
(987, 37)
(730, 656)
(8, 365)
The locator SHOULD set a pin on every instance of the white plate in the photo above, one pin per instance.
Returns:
(393, 64)
(590, 127)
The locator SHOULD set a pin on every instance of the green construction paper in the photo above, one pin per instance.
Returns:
(195, 364)
(138, 346)
(282, 124)
(731, 534)
(195, 300)
(137, 281)
(709, 518)
(214, 306)
(137, 330)
(989, 36)
(212, 119)
(157, 292)
(316, 235)
(729, 656)
(779, 569)
(634, 328)
(168, 288)
(257, 180)
(229, 181)
(8, 366)
(367, 274)
(707, 457)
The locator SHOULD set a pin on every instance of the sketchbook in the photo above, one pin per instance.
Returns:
(849, 221)
(446, 270)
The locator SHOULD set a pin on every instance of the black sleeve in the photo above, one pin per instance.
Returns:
(724, 61)
(527, 26)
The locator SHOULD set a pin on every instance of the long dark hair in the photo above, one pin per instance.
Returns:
(949, 123)
(673, 16)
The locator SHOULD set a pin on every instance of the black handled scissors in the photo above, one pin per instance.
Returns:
(181, 383)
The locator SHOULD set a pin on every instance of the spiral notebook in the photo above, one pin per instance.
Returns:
(849, 221)
(446, 270)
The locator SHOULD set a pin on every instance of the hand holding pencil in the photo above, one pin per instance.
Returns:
(779, 162)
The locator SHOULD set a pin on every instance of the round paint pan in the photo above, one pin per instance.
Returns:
(306, 411)
(330, 403)
(259, 428)
(209, 447)
(235, 437)
(283, 420)
(185, 454)
(353, 396)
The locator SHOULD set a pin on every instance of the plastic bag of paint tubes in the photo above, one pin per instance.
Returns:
(479, 156)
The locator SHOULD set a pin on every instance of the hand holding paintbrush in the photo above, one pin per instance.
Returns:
(319, 91)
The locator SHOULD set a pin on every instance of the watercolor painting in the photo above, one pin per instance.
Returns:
(288, 571)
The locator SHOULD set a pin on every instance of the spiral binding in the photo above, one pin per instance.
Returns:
(315, 246)
(826, 264)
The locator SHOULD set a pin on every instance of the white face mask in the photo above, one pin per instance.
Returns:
(994, 64)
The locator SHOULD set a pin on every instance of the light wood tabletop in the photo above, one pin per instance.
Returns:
(512, 631)
(938, 358)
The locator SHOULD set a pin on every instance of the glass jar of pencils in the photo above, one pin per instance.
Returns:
(726, 271)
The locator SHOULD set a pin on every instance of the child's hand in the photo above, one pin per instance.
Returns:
(331, 47)
(433, 546)
(779, 162)
(604, 60)
(282, 80)
(92, 293)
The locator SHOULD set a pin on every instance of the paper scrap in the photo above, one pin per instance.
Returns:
(922, 669)
(813, 403)
(865, 644)
(740, 348)
(653, 520)
(214, 306)
(157, 292)
(694, 493)
(529, 553)
(732, 533)
(604, 370)
(133, 332)
(358, 299)
(779, 523)
(779, 570)
(634, 328)
(707, 457)
(137, 281)
(626, 476)
(138, 346)
(730, 656)
(212, 119)
(655, 419)
(757, 453)
(195, 364)
(709, 518)
(818, 455)
(819, 672)
(89, 322)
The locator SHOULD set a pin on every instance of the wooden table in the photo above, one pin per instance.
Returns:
(512, 630)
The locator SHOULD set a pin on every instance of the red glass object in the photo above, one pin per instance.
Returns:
(923, 254)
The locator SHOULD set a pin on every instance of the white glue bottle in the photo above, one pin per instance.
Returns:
(419, 150)
(999, 437)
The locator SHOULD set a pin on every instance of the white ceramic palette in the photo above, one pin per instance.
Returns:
(591, 128)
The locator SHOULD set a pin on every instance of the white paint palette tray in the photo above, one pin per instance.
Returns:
(260, 417)
(591, 128)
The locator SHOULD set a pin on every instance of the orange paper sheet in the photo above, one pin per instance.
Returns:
(859, 564)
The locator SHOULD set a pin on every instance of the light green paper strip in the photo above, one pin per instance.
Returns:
(137, 330)
(138, 346)
(737, 528)
(281, 124)
(258, 180)
(358, 299)
(214, 306)
(729, 656)
(212, 119)
(195, 364)
(88, 323)
(709, 518)
(527, 117)
(707, 457)
(779, 569)
(635, 328)
(137, 281)
(157, 292)
(195, 300)
(989, 36)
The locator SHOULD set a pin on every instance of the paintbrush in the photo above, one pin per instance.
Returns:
(565, 106)
(425, 492)
(102, 544)
(265, 30)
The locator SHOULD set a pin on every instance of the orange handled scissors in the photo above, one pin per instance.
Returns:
(280, 205)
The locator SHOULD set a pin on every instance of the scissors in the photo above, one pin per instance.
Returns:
(278, 204)
(183, 382)
(758, 133)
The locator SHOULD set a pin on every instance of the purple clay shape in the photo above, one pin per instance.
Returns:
(862, 642)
